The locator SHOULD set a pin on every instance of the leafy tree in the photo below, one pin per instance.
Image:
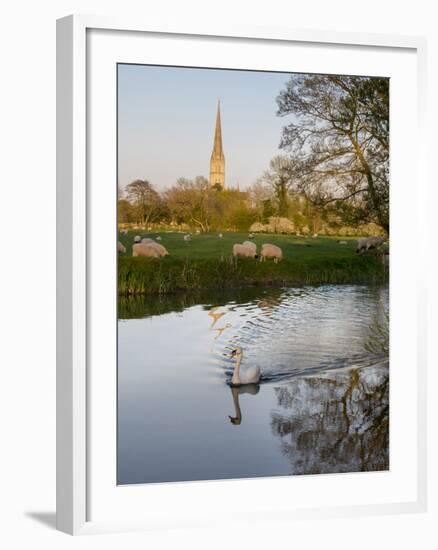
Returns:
(268, 210)
(191, 201)
(260, 200)
(280, 178)
(339, 140)
(145, 199)
(125, 211)
(231, 209)
(242, 218)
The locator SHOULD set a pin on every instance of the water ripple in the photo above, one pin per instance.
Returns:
(302, 331)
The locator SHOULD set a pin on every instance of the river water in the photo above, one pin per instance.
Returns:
(321, 406)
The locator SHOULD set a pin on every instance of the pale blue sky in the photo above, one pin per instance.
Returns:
(167, 118)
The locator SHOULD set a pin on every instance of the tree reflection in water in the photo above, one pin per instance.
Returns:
(338, 422)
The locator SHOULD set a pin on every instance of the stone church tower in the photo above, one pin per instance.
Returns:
(217, 160)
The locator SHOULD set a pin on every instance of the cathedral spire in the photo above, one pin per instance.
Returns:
(217, 161)
(217, 147)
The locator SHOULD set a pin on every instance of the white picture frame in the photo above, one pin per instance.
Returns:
(75, 218)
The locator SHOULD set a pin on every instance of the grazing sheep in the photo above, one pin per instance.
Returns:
(137, 239)
(315, 235)
(120, 247)
(342, 242)
(161, 249)
(187, 238)
(368, 243)
(251, 245)
(220, 235)
(244, 251)
(158, 238)
(250, 236)
(361, 245)
(271, 251)
(144, 249)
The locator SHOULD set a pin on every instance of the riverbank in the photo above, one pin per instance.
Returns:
(206, 263)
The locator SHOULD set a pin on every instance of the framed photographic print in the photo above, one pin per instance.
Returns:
(238, 320)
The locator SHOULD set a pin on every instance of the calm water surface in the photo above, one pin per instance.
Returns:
(321, 406)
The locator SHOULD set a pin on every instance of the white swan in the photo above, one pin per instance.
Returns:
(248, 376)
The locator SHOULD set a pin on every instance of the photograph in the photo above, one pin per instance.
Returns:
(253, 273)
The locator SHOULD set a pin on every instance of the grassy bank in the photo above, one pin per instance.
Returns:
(206, 262)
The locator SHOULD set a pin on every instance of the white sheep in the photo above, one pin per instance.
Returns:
(315, 236)
(220, 235)
(368, 243)
(144, 249)
(161, 249)
(187, 238)
(158, 238)
(342, 242)
(137, 239)
(271, 251)
(251, 245)
(251, 236)
(120, 247)
(244, 251)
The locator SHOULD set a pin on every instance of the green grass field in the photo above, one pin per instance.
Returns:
(206, 262)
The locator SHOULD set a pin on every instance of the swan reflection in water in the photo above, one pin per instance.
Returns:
(252, 389)
(242, 382)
